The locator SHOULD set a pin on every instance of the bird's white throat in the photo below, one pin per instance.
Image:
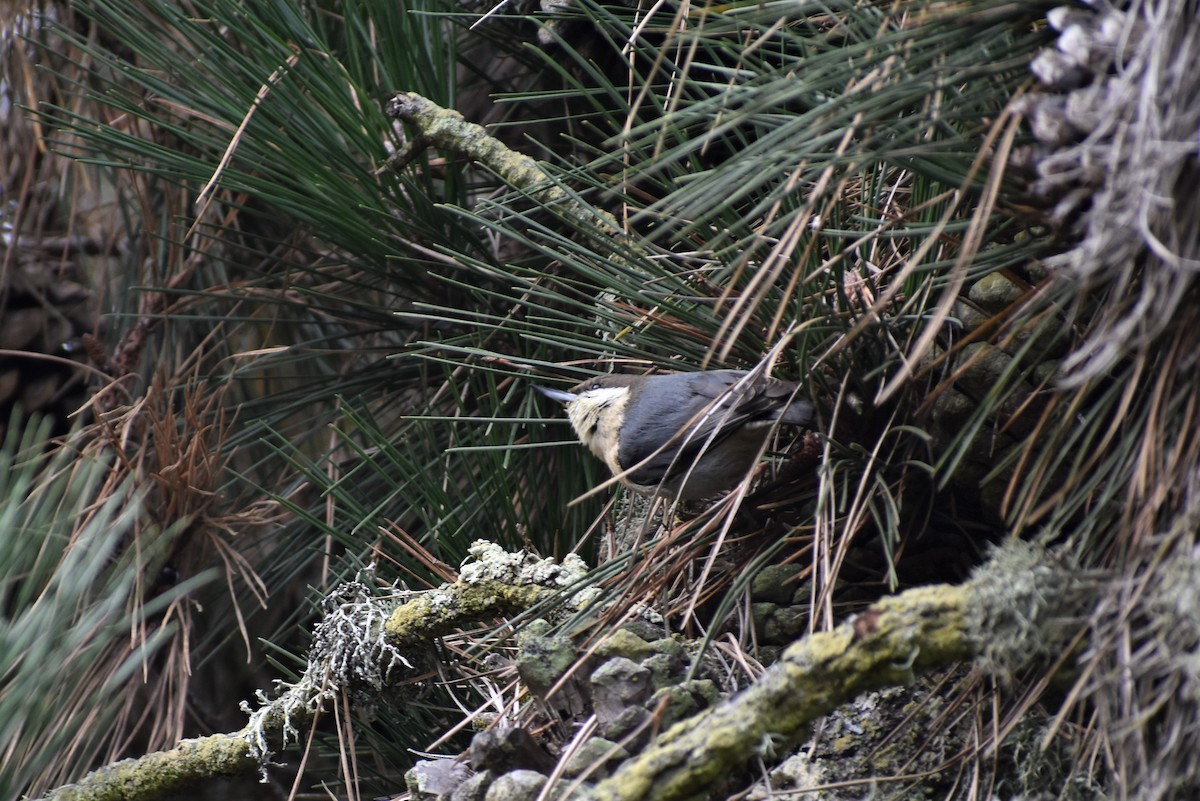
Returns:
(596, 415)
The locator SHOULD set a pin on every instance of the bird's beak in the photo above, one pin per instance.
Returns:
(560, 395)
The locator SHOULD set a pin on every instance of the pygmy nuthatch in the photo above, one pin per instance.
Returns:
(686, 435)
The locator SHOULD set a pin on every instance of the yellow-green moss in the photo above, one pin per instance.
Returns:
(435, 613)
(886, 645)
(162, 774)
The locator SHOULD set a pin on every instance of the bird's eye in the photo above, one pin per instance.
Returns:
(594, 386)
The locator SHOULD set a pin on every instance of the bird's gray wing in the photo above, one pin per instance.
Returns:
(761, 401)
(705, 403)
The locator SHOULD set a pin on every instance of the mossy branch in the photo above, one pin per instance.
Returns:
(457, 606)
(1010, 612)
(162, 774)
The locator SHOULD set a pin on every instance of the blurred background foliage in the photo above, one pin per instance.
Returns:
(71, 645)
(306, 356)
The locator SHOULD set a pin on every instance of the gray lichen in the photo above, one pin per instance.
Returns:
(350, 653)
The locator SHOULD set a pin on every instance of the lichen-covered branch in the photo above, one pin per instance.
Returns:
(447, 129)
(357, 647)
(1008, 613)
(1011, 611)
(492, 583)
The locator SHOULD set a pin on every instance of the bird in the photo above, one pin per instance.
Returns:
(690, 435)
